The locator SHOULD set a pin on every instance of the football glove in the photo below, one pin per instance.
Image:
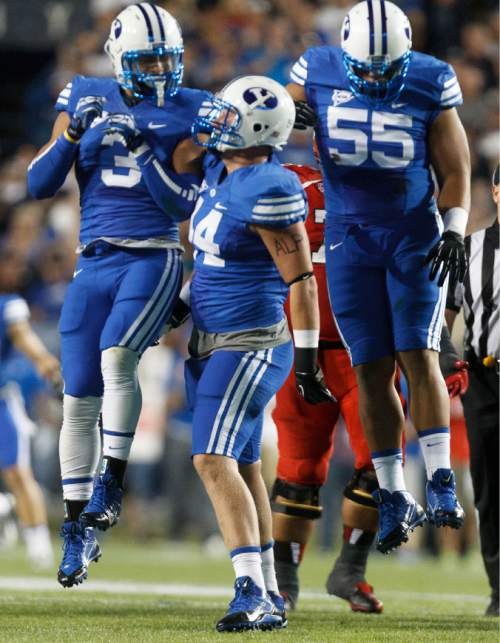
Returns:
(180, 314)
(305, 116)
(447, 256)
(309, 377)
(87, 108)
(453, 368)
(123, 126)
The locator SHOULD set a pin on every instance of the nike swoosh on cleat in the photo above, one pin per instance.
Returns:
(220, 206)
(77, 272)
(152, 125)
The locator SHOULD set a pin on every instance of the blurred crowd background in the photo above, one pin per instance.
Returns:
(43, 44)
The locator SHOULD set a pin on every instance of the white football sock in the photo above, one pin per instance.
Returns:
(246, 562)
(122, 401)
(435, 445)
(268, 571)
(79, 446)
(38, 546)
(389, 469)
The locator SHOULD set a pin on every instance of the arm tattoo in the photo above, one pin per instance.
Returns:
(287, 244)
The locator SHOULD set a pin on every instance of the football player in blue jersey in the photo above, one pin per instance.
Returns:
(383, 115)
(251, 247)
(16, 335)
(119, 134)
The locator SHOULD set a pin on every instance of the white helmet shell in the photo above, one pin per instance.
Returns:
(266, 110)
(141, 27)
(376, 28)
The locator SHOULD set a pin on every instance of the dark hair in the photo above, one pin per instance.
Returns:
(495, 179)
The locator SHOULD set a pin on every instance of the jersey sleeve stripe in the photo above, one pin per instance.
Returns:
(450, 81)
(288, 208)
(451, 91)
(297, 216)
(302, 61)
(280, 199)
(65, 93)
(190, 196)
(296, 79)
(299, 71)
(454, 100)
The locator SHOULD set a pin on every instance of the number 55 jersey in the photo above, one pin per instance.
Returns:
(375, 161)
(381, 213)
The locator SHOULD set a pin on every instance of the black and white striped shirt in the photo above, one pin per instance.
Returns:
(480, 294)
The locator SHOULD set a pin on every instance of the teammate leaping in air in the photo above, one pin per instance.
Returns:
(382, 115)
(120, 136)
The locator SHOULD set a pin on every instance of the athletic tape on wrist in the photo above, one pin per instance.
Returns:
(306, 338)
(455, 220)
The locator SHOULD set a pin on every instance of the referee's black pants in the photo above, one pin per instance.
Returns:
(481, 415)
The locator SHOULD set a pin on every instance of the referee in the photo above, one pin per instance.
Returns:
(479, 296)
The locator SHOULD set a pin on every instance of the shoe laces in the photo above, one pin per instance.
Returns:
(244, 595)
(72, 546)
(104, 492)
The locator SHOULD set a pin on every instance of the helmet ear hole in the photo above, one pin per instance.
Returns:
(257, 127)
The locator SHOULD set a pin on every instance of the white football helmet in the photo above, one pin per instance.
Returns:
(376, 43)
(248, 112)
(146, 49)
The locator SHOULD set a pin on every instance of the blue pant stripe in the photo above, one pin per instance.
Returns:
(226, 401)
(267, 546)
(438, 429)
(119, 434)
(82, 480)
(244, 550)
(242, 406)
(150, 306)
(162, 314)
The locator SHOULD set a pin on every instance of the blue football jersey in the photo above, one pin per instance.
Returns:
(375, 161)
(236, 285)
(114, 199)
(12, 309)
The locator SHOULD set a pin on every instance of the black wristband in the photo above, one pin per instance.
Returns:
(306, 360)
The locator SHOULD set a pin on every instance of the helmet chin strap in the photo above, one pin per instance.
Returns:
(160, 92)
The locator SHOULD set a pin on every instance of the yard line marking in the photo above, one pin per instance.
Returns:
(35, 583)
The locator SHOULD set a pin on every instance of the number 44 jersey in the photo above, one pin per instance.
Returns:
(114, 199)
(375, 161)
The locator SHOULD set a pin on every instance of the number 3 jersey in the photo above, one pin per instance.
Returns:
(236, 285)
(375, 161)
(115, 202)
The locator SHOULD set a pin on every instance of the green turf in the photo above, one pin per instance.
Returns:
(424, 601)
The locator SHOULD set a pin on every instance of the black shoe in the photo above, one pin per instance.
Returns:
(492, 609)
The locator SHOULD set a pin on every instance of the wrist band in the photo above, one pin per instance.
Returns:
(306, 338)
(455, 220)
(69, 138)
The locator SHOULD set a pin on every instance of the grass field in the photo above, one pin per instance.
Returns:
(175, 593)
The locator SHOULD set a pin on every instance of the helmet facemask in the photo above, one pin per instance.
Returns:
(379, 81)
(153, 73)
(218, 129)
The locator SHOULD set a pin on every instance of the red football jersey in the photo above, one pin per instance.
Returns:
(312, 182)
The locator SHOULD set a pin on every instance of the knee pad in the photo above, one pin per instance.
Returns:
(360, 487)
(296, 500)
(119, 369)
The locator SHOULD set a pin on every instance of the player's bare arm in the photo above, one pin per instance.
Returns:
(61, 124)
(26, 341)
(188, 158)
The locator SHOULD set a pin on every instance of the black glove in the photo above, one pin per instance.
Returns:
(305, 116)
(180, 314)
(309, 377)
(448, 256)
(123, 126)
(87, 108)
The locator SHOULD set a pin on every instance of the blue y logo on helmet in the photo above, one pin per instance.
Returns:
(117, 28)
(260, 98)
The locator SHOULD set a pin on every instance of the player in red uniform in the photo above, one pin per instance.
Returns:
(305, 442)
